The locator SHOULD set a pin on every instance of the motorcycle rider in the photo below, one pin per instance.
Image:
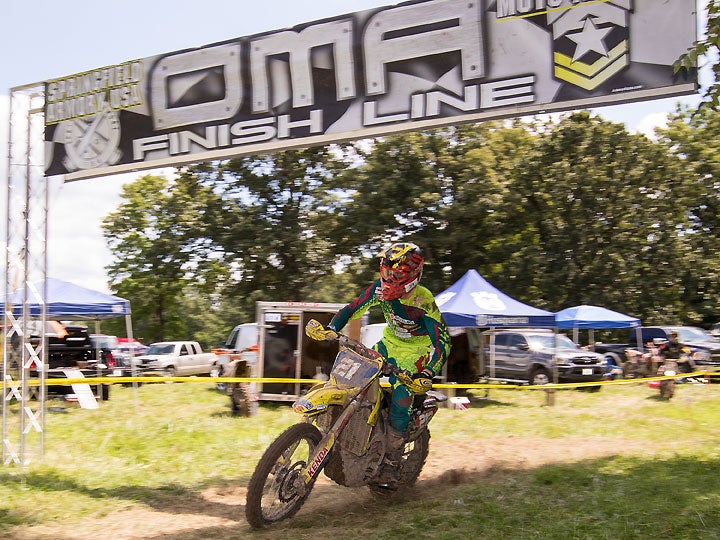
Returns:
(673, 349)
(415, 339)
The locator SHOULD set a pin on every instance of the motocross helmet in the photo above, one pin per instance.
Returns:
(401, 266)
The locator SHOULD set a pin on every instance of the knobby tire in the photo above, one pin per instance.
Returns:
(271, 496)
(241, 400)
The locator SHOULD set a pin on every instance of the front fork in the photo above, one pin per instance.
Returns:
(316, 462)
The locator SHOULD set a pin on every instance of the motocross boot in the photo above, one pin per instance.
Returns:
(391, 463)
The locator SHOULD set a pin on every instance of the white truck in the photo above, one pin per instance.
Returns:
(177, 358)
(241, 344)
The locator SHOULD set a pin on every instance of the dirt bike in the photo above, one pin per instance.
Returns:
(671, 367)
(640, 365)
(343, 433)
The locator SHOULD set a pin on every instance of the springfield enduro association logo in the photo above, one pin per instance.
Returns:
(85, 108)
(590, 38)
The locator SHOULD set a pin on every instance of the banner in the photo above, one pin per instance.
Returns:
(399, 68)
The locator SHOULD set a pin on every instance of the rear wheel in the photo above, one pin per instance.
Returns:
(241, 402)
(276, 490)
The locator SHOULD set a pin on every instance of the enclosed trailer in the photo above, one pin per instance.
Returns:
(286, 352)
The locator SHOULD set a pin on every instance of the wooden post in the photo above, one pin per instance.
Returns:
(450, 393)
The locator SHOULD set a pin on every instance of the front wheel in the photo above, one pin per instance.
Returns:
(412, 463)
(273, 492)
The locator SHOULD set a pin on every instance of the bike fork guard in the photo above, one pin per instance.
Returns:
(318, 458)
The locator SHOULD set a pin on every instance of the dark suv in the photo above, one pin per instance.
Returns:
(527, 355)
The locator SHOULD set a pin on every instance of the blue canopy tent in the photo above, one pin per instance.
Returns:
(66, 300)
(472, 301)
(55, 299)
(594, 317)
(591, 317)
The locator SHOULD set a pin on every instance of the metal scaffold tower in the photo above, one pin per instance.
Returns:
(26, 207)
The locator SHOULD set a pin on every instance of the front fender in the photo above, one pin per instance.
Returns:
(319, 398)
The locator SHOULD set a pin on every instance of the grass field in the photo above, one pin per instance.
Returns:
(168, 461)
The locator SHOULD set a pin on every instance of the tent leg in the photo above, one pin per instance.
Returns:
(98, 357)
(133, 370)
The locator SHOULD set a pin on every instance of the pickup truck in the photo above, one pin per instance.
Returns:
(242, 343)
(177, 358)
(535, 356)
(704, 346)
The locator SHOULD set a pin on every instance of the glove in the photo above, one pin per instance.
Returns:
(316, 331)
(422, 381)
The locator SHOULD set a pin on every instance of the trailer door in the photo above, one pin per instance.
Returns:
(279, 356)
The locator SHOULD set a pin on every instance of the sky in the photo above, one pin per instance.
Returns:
(45, 39)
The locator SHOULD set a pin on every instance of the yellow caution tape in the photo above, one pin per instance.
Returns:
(214, 380)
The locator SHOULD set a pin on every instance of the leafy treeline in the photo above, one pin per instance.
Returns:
(556, 214)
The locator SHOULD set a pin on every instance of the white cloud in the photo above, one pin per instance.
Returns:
(647, 124)
(76, 247)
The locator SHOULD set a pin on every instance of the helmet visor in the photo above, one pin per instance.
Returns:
(395, 275)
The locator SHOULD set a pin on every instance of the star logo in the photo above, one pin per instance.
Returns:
(591, 43)
(589, 39)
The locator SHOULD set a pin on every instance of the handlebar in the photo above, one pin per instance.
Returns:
(318, 332)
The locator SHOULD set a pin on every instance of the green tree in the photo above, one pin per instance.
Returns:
(599, 215)
(394, 194)
(154, 241)
(555, 214)
(707, 49)
(440, 189)
(265, 224)
(694, 137)
(482, 161)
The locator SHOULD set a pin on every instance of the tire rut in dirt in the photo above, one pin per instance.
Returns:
(271, 496)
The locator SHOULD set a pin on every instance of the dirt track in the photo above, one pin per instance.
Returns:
(218, 513)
